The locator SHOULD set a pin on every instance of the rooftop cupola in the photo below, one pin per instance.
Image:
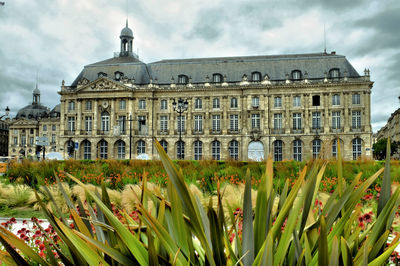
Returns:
(36, 95)
(126, 41)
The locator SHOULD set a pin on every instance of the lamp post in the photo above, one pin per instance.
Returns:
(180, 107)
(7, 112)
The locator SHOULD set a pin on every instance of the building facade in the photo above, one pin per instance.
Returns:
(32, 121)
(242, 108)
(392, 128)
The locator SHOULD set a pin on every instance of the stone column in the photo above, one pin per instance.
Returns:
(346, 122)
(286, 116)
(79, 117)
(306, 103)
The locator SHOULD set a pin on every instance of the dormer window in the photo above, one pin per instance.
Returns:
(217, 78)
(296, 74)
(183, 79)
(256, 76)
(118, 75)
(101, 74)
(334, 73)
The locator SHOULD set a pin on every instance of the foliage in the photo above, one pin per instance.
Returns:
(284, 227)
(379, 148)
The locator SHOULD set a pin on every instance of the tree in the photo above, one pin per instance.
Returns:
(379, 148)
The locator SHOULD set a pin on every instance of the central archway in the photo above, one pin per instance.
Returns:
(256, 151)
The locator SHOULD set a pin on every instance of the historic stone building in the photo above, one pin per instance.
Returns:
(34, 120)
(290, 106)
(392, 127)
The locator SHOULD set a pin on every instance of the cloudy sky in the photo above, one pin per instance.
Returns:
(56, 38)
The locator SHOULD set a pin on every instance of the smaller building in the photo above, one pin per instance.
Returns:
(32, 121)
(391, 129)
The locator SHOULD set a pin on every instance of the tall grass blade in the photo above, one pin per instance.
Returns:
(323, 243)
(339, 168)
(385, 187)
(248, 233)
(131, 242)
(334, 258)
(346, 255)
(217, 237)
(14, 254)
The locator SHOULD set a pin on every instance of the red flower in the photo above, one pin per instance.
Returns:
(41, 246)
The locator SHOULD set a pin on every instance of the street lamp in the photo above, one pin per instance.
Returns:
(7, 112)
(180, 107)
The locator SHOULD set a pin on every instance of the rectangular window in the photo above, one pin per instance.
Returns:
(122, 105)
(54, 127)
(163, 123)
(335, 99)
(255, 121)
(255, 102)
(296, 121)
(44, 127)
(88, 123)
(198, 103)
(31, 140)
(234, 103)
(88, 105)
(356, 98)
(234, 123)
(53, 138)
(71, 106)
(216, 103)
(356, 119)
(71, 123)
(122, 124)
(164, 105)
(277, 102)
(316, 120)
(142, 125)
(296, 101)
(181, 124)
(335, 120)
(142, 104)
(198, 123)
(23, 140)
(216, 123)
(278, 121)
(15, 140)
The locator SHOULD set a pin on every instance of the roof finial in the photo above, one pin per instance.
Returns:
(324, 39)
(127, 22)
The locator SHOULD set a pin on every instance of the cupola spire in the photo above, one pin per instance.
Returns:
(126, 37)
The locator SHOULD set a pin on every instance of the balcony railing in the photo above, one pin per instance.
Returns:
(233, 131)
(317, 130)
(103, 132)
(141, 132)
(162, 132)
(197, 132)
(357, 129)
(297, 130)
(176, 132)
(278, 130)
(337, 130)
(86, 132)
(215, 132)
(69, 132)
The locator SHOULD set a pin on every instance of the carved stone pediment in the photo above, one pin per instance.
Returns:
(103, 84)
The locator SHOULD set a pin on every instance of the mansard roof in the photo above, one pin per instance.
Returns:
(277, 67)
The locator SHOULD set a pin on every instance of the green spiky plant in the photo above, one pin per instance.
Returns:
(281, 229)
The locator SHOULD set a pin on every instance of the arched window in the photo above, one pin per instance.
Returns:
(296, 74)
(234, 149)
(216, 150)
(87, 150)
(297, 145)
(70, 146)
(278, 149)
(198, 103)
(217, 78)
(105, 121)
(216, 103)
(316, 148)
(256, 76)
(103, 149)
(198, 150)
(183, 79)
(335, 148)
(141, 147)
(356, 148)
(120, 149)
(164, 144)
(180, 150)
(334, 73)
